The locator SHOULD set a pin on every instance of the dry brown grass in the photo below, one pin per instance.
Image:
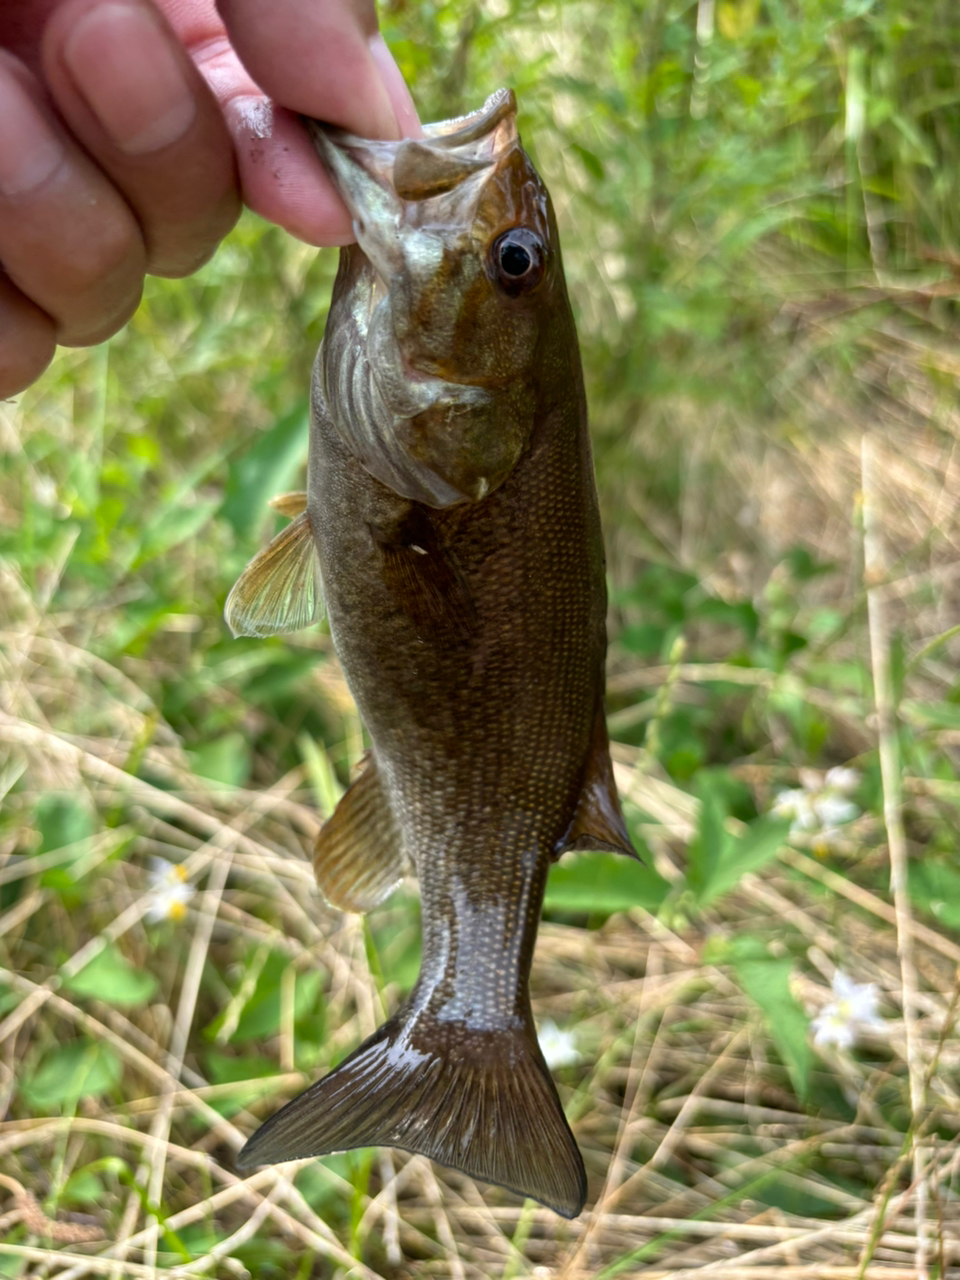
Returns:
(680, 1107)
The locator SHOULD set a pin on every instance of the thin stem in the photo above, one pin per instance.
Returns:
(878, 625)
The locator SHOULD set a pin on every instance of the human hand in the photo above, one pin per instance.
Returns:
(129, 131)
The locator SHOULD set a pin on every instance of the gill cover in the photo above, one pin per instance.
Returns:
(431, 341)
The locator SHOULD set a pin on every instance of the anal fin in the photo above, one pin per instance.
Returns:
(598, 822)
(359, 855)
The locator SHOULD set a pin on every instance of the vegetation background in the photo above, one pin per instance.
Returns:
(761, 224)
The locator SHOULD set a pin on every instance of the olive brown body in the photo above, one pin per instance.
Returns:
(466, 602)
(473, 641)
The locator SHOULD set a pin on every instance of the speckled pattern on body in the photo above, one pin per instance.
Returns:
(471, 631)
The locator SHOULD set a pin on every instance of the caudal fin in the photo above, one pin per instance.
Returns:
(481, 1102)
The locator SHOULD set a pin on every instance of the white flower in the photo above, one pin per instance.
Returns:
(559, 1048)
(853, 1009)
(821, 805)
(841, 778)
(169, 891)
(796, 805)
(834, 810)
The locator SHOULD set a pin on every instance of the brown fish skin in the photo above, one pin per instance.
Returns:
(466, 598)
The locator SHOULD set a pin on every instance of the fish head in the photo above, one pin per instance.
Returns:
(435, 341)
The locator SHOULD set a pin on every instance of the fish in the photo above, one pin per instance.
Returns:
(450, 529)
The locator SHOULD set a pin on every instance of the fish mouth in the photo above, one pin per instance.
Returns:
(412, 406)
(379, 180)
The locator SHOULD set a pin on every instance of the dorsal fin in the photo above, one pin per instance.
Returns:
(359, 855)
(598, 822)
(280, 588)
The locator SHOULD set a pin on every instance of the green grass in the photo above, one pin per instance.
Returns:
(761, 237)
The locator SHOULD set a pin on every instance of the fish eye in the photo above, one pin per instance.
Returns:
(518, 258)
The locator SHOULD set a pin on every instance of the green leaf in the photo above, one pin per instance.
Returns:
(935, 887)
(111, 977)
(396, 939)
(803, 565)
(62, 819)
(644, 638)
(261, 1014)
(251, 1075)
(83, 1069)
(82, 1187)
(767, 983)
(591, 163)
(707, 847)
(718, 858)
(173, 526)
(324, 783)
(223, 1068)
(225, 759)
(744, 853)
(740, 613)
(931, 715)
(603, 882)
(268, 468)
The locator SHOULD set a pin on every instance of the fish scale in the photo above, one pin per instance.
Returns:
(451, 515)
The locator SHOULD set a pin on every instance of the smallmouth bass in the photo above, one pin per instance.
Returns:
(450, 525)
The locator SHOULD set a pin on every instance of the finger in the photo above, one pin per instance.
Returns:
(201, 28)
(280, 176)
(21, 24)
(396, 87)
(67, 240)
(27, 340)
(128, 91)
(316, 59)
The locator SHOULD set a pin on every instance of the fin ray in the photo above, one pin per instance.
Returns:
(280, 589)
(598, 822)
(482, 1103)
(359, 856)
(289, 504)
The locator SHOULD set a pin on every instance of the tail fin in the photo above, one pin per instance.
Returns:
(481, 1102)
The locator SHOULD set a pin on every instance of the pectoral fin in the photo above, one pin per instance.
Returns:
(280, 588)
(289, 504)
(359, 855)
(598, 822)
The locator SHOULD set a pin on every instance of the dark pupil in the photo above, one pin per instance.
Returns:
(514, 259)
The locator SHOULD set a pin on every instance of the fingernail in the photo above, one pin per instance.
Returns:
(133, 83)
(30, 151)
(388, 126)
(401, 101)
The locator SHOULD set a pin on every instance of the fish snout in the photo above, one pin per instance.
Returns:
(391, 186)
